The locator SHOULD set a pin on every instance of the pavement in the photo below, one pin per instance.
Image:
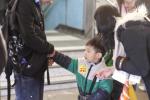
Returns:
(71, 94)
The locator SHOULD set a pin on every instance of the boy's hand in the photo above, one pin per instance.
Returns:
(50, 62)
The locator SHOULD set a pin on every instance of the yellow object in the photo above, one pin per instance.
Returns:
(132, 93)
(82, 69)
(125, 92)
(128, 92)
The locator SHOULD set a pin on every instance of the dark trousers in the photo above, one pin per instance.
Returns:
(117, 89)
(28, 88)
(147, 84)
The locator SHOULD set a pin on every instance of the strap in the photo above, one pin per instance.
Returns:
(48, 76)
(92, 85)
(86, 79)
(8, 89)
(10, 13)
(14, 5)
(147, 18)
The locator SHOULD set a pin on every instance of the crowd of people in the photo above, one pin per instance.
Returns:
(122, 44)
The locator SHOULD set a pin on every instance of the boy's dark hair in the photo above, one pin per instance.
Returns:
(105, 21)
(96, 44)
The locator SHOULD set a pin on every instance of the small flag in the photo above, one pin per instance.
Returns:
(128, 92)
(125, 92)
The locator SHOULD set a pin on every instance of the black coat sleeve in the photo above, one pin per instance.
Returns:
(62, 59)
(33, 40)
(135, 41)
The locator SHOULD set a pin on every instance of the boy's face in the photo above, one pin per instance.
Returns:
(91, 55)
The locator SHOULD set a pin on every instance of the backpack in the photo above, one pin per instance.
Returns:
(3, 48)
(9, 26)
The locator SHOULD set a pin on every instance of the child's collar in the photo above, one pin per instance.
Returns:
(98, 61)
(92, 63)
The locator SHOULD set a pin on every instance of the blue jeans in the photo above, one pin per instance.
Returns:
(28, 88)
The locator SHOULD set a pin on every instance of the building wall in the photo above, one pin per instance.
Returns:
(65, 12)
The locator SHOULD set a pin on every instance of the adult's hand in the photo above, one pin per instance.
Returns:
(50, 60)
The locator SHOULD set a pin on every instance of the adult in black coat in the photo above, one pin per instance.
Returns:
(28, 50)
(136, 41)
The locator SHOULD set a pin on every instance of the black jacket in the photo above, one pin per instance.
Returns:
(136, 41)
(135, 38)
(30, 26)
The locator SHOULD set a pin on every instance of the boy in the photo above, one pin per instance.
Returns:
(89, 87)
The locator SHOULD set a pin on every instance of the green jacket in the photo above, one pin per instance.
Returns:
(80, 68)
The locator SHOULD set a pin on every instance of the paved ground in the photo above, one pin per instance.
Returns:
(71, 94)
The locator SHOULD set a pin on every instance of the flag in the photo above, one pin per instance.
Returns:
(125, 92)
(128, 92)
(132, 93)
